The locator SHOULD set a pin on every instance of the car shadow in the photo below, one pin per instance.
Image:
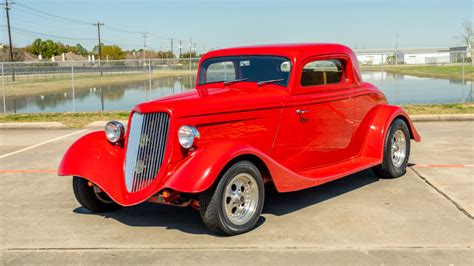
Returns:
(188, 220)
(284, 203)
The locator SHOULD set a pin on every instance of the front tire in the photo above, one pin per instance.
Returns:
(91, 197)
(396, 151)
(234, 205)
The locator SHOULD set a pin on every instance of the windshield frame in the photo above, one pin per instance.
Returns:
(201, 72)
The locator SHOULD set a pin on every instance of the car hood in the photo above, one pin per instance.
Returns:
(206, 101)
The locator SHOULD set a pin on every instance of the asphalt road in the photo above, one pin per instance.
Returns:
(424, 217)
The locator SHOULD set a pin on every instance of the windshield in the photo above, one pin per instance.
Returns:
(245, 68)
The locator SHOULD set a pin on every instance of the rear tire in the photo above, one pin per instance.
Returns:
(91, 198)
(234, 205)
(396, 151)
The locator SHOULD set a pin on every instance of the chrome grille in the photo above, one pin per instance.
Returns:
(145, 149)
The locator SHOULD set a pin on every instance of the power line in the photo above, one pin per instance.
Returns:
(55, 16)
(44, 17)
(29, 23)
(52, 17)
(122, 30)
(50, 35)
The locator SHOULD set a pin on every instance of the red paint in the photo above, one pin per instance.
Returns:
(342, 133)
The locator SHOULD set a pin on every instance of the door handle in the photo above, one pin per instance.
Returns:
(300, 111)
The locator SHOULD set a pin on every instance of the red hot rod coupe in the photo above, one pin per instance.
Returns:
(295, 116)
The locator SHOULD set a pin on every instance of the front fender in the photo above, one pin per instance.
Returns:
(97, 160)
(379, 126)
(202, 168)
(198, 171)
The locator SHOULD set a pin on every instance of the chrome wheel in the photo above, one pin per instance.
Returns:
(241, 198)
(398, 148)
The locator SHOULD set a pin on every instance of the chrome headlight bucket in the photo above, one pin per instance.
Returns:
(187, 136)
(114, 131)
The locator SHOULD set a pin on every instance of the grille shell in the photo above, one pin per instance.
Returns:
(146, 149)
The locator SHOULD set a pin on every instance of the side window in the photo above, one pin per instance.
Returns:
(322, 72)
(222, 71)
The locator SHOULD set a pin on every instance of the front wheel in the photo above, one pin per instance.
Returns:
(92, 197)
(235, 204)
(396, 151)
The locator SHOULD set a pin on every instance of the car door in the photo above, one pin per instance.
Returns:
(317, 127)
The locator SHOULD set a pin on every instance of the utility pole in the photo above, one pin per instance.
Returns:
(396, 50)
(7, 10)
(180, 47)
(190, 51)
(145, 35)
(172, 48)
(98, 24)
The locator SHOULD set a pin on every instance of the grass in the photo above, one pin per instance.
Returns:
(435, 109)
(433, 71)
(79, 120)
(24, 86)
(72, 120)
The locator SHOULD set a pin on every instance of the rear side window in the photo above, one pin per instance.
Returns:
(322, 72)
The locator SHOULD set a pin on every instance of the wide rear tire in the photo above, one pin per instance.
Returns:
(396, 151)
(234, 205)
(91, 198)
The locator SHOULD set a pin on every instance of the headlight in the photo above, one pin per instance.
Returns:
(187, 135)
(114, 131)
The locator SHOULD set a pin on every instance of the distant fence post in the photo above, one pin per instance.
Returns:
(149, 74)
(73, 89)
(382, 73)
(463, 57)
(4, 94)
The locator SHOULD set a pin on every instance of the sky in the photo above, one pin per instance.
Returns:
(360, 24)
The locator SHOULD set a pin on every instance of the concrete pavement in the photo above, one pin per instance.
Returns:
(424, 217)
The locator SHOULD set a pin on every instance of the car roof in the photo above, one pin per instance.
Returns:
(296, 52)
(292, 51)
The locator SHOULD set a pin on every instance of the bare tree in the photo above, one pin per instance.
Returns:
(467, 36)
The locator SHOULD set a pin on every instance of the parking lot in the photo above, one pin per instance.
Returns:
(423, 217)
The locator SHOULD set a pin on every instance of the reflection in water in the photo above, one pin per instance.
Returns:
(104, 98)
(404, 89)
(399, 89)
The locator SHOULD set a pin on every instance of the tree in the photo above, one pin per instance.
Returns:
(467, 36)
(35, 47)
(49, 48)
(79, 49)
(187, 55)
(112, 52)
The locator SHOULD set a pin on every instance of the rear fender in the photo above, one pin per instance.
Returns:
(379, 126)
(96, 159)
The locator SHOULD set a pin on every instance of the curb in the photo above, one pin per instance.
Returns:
(101, 124)
(442, 118)
(33, 125)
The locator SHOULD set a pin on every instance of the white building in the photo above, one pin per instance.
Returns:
(440, 56)
(372, 59)
(404, 56)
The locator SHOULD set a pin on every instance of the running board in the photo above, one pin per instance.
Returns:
(331, 172)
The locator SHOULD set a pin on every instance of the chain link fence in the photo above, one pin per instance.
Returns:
(66, 86)
(92, 86)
